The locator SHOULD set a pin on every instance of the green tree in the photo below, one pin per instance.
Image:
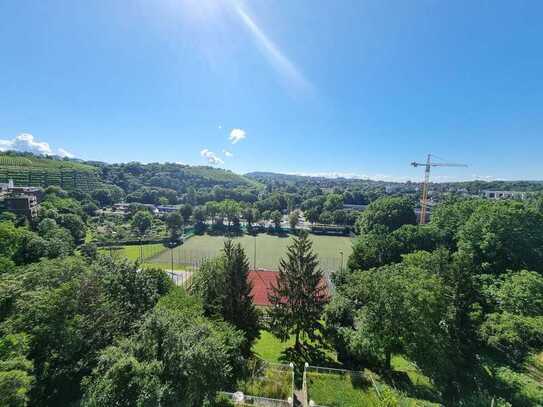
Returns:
(90, 208)
(15, 371)
(225, 288)
(174, 224)
(276, 218)
(326, 217)
(514, 324)
(212, 210)
(293, 220)
(450, 216)
(186, 211)
(299, 294)
(374, 249)
(71, 309)
(249, 216)
(312, 215)
(383, 318)
(89, 251)
(388, 212)
(502, 236)
(424, 307)
(177, 358)
(103, 197)
(75, 226)
(60, 243)
(199, 214)
(10, 239)
(452, 362)
(378, 247)
(230, 209)
(142, 222)
(34, 247)
(199, 217)
(333, 202)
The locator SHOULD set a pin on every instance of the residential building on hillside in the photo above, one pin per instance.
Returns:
(21, 204)
(23, 201)
(490, 194)
(352, 207)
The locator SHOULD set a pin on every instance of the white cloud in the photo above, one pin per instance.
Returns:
(349, 175)
(352, 175)
(397, 178)
(65, 153)
(227, 153)
(487, 178)
(211, 157)
(27, 143)
(237, 135)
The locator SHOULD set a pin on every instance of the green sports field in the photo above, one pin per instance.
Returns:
(269, 250)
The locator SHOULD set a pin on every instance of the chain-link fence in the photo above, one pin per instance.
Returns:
(187, 257)
(240, 399)
(328, 387)
(143, 252)
(270, 380)
(338, 387)
(181, 278)
(265, 384)
(193, 258)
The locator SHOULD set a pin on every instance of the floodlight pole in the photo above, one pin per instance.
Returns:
(254, 256)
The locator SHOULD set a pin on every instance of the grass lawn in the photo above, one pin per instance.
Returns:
(269, 348)
(330, 389)
(335, 389)
(132, 252)
(339, 390)
(269, 250)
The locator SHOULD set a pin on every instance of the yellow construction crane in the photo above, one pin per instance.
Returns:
(429, 164)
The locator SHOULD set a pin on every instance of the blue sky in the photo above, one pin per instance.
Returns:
(315, 87)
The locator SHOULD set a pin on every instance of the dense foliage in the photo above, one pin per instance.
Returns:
(224, 286)
(299, 295)
(460, 298)
(176, 357)
(453, 296)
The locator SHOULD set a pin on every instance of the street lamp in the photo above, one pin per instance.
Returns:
(341, 252)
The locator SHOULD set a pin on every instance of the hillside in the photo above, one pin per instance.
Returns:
(180, 178)
(28, 169)
(219, 175)
(474, 186)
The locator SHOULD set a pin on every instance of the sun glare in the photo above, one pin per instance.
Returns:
(204, 10)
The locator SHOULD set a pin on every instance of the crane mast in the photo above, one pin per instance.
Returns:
(427, 167)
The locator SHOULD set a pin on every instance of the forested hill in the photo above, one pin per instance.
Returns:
(130, 176)
(29, 169)
(474, 186)
(273, 177)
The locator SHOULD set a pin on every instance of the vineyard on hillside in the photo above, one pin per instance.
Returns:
(44, 172)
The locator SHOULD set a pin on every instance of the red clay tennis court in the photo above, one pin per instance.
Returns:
(262, 281)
